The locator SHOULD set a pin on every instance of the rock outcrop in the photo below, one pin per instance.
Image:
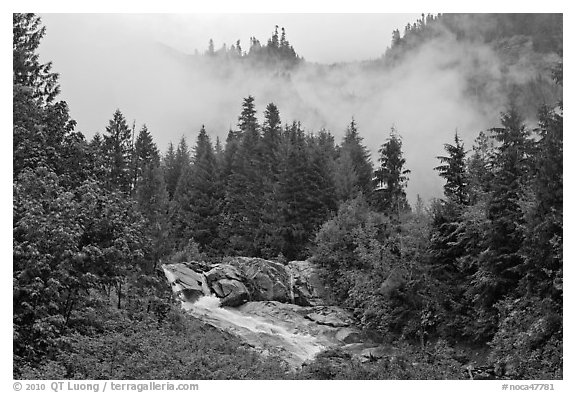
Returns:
(308, 287)
(243, 279)
(266, 280)
(270, 307)
(186, 283)
(228, 284)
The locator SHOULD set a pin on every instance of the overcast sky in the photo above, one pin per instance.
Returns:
(95, 54)
(322, 38)
(110, 61)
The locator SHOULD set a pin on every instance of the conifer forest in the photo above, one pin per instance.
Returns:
(140, 259)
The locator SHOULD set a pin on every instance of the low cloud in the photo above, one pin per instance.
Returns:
(444, 86)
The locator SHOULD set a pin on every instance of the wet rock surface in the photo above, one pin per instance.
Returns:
(266, 280)
(253, 279)
(308, 288)
(186, 282)
(228, 284)
(273, 308)
(232, 292)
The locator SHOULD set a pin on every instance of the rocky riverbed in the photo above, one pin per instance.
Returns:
(274, 308)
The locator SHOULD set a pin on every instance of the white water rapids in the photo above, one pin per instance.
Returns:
(274, 338)
(256, 331)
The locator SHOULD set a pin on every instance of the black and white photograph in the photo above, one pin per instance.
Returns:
(286, 196)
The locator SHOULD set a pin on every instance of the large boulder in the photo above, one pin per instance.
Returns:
(186, 283)
(222, 271)
(266, 280)
(308, 287)
(226, 282)
(232, 293)
(257, 279)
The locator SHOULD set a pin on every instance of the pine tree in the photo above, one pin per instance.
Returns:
(243, 198)
(345, 177)
(153, 203)
(322, 196)
(175, 162)
(270, 142)
(543, 244)
(218, 151)
(118, 152)
(29, 76)
(293, 192)
(499, 265)
(247, 122)
(446, 247)
(453, 169)
(391, 178)
(43, 132)
(479, 167)
(168, 164)
(229, 155)
(324, 155)
(198, 198)
(273, 42)
(359, 156)
(268, 238)
(145, 153)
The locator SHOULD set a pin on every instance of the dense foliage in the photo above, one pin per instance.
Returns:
(92, 221)
(473, 269)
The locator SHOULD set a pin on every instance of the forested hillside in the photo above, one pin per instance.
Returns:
(478, 270)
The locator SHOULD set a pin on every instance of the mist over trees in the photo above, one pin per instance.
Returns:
(480, 267)
(450, 82)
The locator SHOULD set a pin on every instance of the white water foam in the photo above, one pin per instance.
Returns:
(254, 330)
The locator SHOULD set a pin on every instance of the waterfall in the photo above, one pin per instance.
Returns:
(271, 327)
(293, 332)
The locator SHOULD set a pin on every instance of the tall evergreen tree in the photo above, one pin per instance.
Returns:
(198, 197)
(293, 192)
(247, 122)
(271, 130)
(345, 177)
(268, 238)
(118, 153)
(42, 129)
(168, 164)
(446, 247)
(243, 185)
(453, 170)
(153, 203)
(391, 178)
(145, 153)
(219, 152)
(175, 163)
(29, 75)
(498, 266)
(479, 167)
(359, 156)
(323, 152)
(542, 248)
